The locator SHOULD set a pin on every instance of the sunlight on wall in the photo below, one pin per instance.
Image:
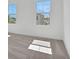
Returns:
(41, 46)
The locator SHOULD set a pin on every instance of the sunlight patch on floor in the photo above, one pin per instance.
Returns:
(9, 35)
(41, 46)
(42, 43)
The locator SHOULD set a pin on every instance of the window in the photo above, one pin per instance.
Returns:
(41, 46)
(43, 12)
(12, 13)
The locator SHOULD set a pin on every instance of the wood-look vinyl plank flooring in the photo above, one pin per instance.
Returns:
(18, 48)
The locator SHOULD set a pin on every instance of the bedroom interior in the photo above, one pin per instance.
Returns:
(38, 29)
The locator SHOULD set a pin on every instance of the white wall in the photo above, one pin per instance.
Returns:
(66, 6)
(26, 20)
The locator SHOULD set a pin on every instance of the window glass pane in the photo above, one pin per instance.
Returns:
(12, 13)
(43, 11)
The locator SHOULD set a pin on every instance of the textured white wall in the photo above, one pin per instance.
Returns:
(26, 20)
(66, 5)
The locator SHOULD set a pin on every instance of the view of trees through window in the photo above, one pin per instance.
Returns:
(43, 12)
(12, 13)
